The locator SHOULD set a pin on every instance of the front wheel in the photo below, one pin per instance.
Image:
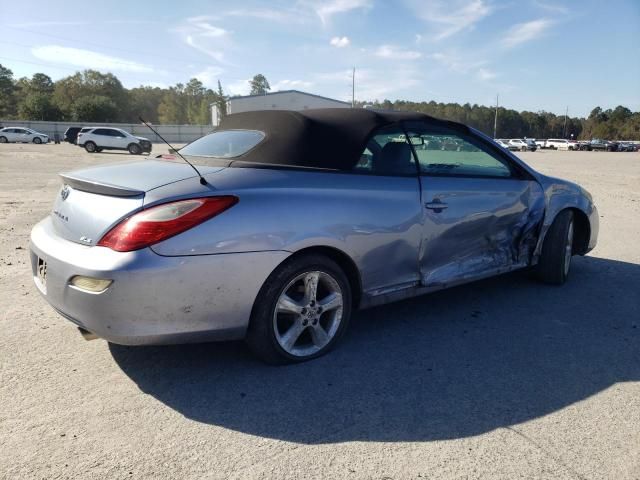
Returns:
(37, 140)
(557, 250)
(134, 149)
(301, 311)
(3, 140)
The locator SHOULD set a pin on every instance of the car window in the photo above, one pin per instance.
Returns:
(224, 144)
(101, 131)
(447, 152)
(387, 153)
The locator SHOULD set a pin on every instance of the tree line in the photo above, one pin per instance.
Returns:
(92, 96)
(613, 124)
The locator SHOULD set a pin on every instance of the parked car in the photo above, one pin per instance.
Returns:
(601, 145)
(573, 145)
(541, 144)
(71, 134)
(557, 144)
(523, 145)
(503, 142)
(286, 222)
(96, 139)
(626, 147)
(532, 146)
(22, 135)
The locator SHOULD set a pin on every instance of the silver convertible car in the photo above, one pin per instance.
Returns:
(278, 225)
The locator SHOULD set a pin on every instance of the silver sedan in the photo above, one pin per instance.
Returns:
(277, 225)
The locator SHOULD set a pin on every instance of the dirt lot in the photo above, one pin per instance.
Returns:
(505, 378)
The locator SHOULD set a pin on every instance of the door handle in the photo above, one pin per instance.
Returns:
(436, 205)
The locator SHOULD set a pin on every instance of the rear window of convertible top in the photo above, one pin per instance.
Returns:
(224, 144)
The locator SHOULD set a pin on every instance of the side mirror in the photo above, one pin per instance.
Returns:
(417, 141)
(172, 151)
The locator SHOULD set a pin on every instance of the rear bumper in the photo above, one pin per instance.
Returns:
(153, 299)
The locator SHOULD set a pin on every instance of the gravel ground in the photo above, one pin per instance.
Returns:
(504, 378)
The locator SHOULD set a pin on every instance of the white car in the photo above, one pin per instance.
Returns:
(96, 139)
(557, 144)
(519, 144)
(22, 135)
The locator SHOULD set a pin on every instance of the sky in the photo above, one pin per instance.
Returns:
(535, 54)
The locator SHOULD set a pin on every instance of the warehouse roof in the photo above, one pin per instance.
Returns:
(287, 91)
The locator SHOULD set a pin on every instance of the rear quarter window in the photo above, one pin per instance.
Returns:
(224, 144)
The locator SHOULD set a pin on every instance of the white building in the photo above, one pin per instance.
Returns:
(283, 100)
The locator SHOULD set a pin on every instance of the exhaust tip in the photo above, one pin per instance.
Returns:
(86, 334)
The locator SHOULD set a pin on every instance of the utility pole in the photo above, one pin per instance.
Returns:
(495, 120)
(353, 88)
(564, 127)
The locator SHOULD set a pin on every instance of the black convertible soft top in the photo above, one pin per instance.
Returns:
(332, 138)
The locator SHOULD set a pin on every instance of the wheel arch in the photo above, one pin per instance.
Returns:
(582, 229)
(344, 261)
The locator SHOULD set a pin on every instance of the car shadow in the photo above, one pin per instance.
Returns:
(452, 364)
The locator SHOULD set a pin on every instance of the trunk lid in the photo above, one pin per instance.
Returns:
(93, 200)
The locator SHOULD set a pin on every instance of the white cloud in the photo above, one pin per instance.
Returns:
(209, 76)
(340, 42)
(485, 74)
(200, 34)
(525, 32)
(238, 87)
(290, 85)
(274, 15)
(450, 17)
(378, 85)
(397, 53)
(325, 9)
(371, 84)
(551, 7)
(48, 24)
(79, 57)
(455, 62)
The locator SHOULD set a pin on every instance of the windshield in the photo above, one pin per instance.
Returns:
(224, 144)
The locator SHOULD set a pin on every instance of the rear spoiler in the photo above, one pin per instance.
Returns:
(100, 188)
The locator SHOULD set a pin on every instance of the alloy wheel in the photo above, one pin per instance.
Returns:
(308, 313)
(568, 249)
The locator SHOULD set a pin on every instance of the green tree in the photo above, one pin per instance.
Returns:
(144, 102)
(39, 106)
(95, 108)
(7, 93)
(90, 83)
(259, 85)
(221, 102)
(172, 108)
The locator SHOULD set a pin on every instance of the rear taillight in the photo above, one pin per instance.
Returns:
(164, 221)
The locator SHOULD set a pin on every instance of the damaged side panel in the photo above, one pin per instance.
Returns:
(487, 226)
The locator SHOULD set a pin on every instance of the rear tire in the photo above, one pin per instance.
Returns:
(555, 260)
(3, 140)
(90, 147)
(292, 321)
(134, 149)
